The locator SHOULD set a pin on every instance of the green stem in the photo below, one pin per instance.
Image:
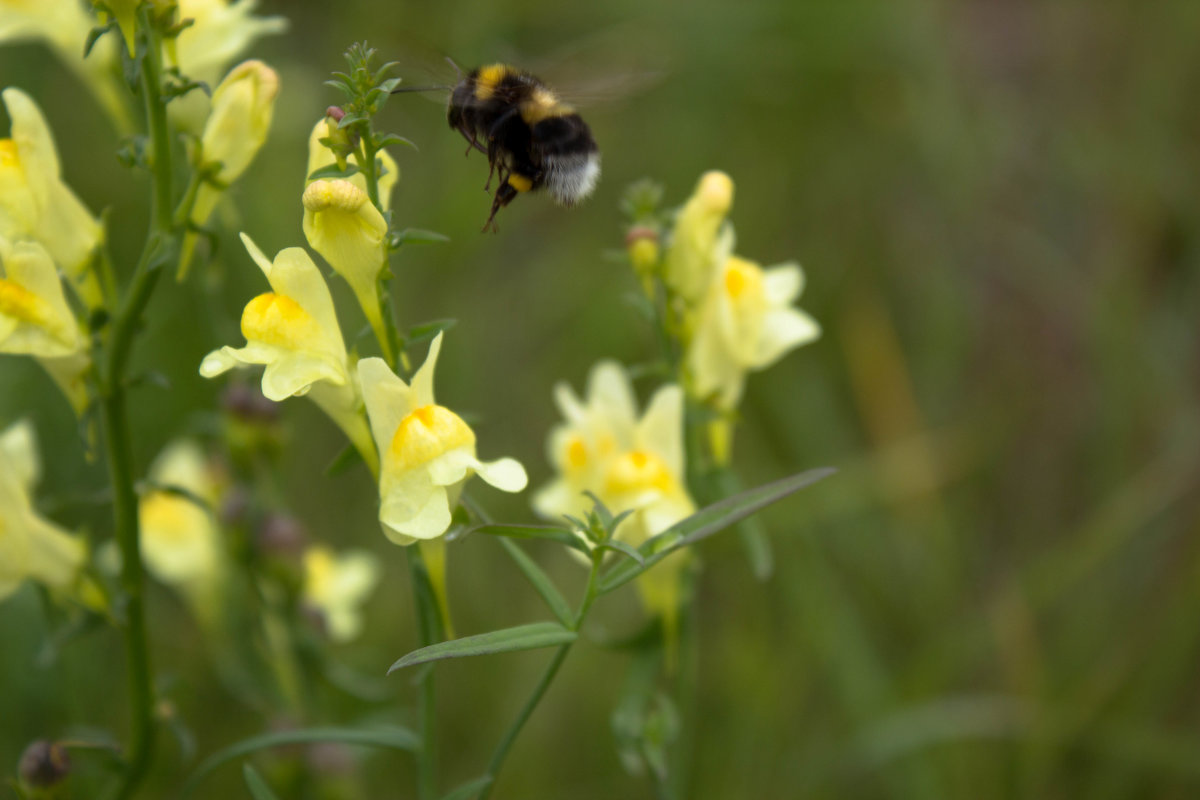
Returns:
(115, 422)
(543, 684)
(429, 631)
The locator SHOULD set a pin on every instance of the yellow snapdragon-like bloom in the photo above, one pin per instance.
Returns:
(426, 452)
(293, 331)
(321, 156)
(746, 323)
(64, 26)
(36, 320)
(336, 586)
(630, 464)
(595, 430)
(343, 225)
(242, 108)
(700, 239)
(36, 204)
(220, 32)
(30, 546)
(180, 540)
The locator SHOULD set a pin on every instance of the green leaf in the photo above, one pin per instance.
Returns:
(428, 330)
(469, 789)
(546, 532)
(540, 580)
(624, 548)
(392, 736)
(353, 118)
(333, 171)
(258, 787)
(419, 236)
(508, 640)
(391, 138)
(753, 535)
(708, 521)
(344, 460)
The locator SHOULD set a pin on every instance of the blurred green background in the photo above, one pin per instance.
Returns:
(995, 204)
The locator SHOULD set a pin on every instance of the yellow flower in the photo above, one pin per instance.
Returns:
(181, 544)
(220, 32)
(237, 126)
(630, 464)
(746, 323)
(321, 156)
(343, 225)
(30, 546)
(699, 239)
(36, 204)
(426, 452)
(64, 26)
(595, 430)
(36, 320)
(337, 585)
(293, 331)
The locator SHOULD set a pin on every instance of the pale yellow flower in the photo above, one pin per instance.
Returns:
(64, 26)
(36, 320)
(336, 586)
(30, 546)
(293, 330)
(630, 464)
(321, 156)
(180, 540)
(36, 204)
(343, 225)
(746, 323)
(242, 108)
(426, 452)
(594, 431)
(700, 238)
(220, 32)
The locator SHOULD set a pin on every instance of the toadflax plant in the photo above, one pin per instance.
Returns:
(636, 487)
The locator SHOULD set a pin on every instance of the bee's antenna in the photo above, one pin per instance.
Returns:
(404, 89)
(457, 69)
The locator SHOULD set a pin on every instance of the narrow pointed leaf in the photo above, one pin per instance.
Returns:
(392, 736)
(333, 171)
(708, 521)
(540, 580)
(549, 533)
(259, 789)
(420, 236)
(624, 548)
(507, 640)
(469, 789)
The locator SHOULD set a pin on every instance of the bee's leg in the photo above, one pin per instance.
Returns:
(504, 196)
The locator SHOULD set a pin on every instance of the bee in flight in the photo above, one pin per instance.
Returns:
(532, 139)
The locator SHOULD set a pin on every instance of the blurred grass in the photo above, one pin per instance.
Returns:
(995, 205)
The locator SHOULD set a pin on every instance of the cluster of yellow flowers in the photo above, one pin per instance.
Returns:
(421, 452)
(734, 316)
(47, 235)
(627, 462)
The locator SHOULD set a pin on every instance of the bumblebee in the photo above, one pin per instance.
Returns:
(532, 139)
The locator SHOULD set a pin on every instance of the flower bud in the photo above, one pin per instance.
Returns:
(696, 245)
(642, 245)
(43, 764)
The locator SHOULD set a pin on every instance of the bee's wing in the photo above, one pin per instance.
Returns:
(604, 67)
(425, 70)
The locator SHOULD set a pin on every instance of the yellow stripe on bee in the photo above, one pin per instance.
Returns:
(488, 79)
(543, 104)
(520, 182)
